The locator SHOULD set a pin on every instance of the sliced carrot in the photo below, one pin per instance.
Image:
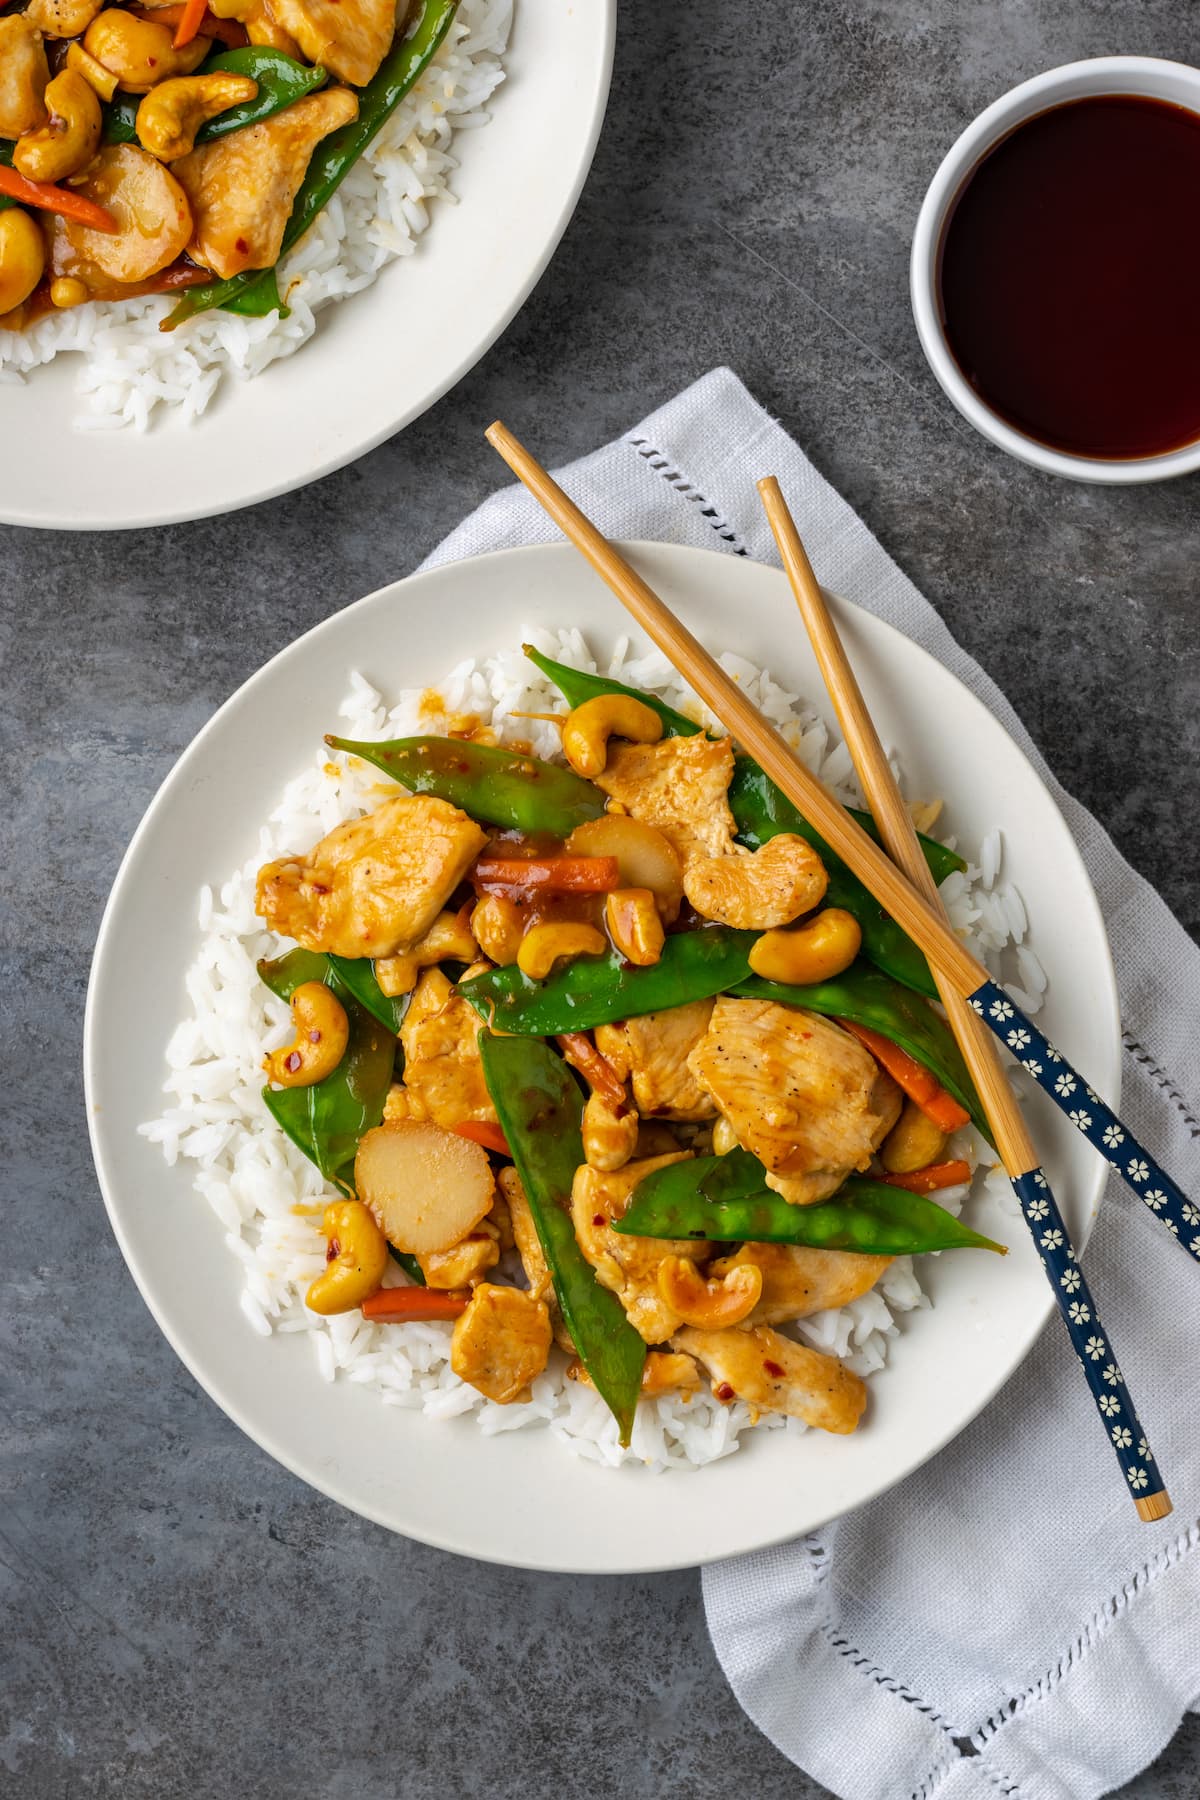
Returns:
(551, 874)
(190, 22)
(595, 1068)
(393, 1306)
(924, 1089)
(50, 198)
(482, 1131)
(929, 1179)
(233, 35)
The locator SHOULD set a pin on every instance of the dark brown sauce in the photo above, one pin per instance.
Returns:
(1069, 277)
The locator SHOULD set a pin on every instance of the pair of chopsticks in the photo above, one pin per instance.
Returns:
(975, 1004)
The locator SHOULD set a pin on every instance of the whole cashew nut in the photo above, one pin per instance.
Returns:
(634, 925)
(543, 945)
(449, 938)
(70, 135)
(772, 887)
(815, 951)
(322, 1033)
(173, 112)
(589, 727)
(139, 52)
(610, 1133)
(356, 1256)
(22, 258)
(499, 925)
(709, 1305)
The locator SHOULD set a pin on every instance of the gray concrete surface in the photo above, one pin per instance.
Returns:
(179, 1616)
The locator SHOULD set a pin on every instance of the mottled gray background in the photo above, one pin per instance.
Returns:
(179, 1616)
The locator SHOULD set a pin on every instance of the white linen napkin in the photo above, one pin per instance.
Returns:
(1001, 1626)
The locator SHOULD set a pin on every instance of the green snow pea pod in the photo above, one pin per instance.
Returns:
(695, 965)
(726, 1200)
(576, 686)
(599, 990)
(328, 1119)
(540, 1109)
(281, 79)
(6, 151)
(256, 291)
(495, 785)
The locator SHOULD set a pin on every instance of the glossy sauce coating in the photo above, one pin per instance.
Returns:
(1069, 272)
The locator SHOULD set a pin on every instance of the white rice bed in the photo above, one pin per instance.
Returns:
(254, 1178)
(130, 368)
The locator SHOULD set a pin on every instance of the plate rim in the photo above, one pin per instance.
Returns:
(266, 1439)
(341, 459)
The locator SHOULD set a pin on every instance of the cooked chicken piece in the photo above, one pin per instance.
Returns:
(679, 786)
(529, 1249)
(62, 18)
(664, 1372)
(772, 887)
(654, 1050)
(464, 1264)
(802, 1095)
(797, 1281)
(374, 885)
(628, 1265)
(442, 1068)
(772, 1372)
(501, 1342)
(350, 38)
(262, 27)
(24, 76)
(241, 186)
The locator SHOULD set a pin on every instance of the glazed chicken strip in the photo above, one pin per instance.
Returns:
(773, 1373)
(241, 186)
(654, 1050)
(800, 1093)
(628, 1265)
(678, 785)
(443, 1075)
(797, 1281)
(350, 38)
(374, 885)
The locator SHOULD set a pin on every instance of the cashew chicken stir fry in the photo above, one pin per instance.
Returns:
(183, 146)
(606, 1056)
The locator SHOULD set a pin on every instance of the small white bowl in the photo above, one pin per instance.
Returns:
(1146, 75)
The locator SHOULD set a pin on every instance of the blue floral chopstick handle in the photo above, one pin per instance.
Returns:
(1089, 1115)
(1088, 1337)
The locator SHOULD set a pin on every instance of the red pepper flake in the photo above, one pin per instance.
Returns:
(723, 1391)
(773, 1370)
(293, 1062)
(241, 246)
(332, 1250)
(599, 1219)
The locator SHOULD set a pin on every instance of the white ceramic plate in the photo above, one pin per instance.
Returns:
(376, 360)
(544, 1508)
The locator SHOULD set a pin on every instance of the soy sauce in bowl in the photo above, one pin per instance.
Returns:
(1069, 277)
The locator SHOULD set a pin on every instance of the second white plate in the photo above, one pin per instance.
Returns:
(376, 360)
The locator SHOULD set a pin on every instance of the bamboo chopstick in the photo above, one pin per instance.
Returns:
(926, 925)
(1009, 1129)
